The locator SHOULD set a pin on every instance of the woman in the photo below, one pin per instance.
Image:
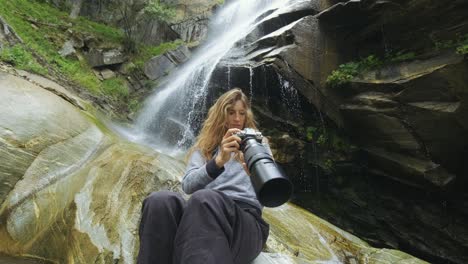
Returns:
(221, 223)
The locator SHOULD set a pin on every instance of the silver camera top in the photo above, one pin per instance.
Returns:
(250, 132)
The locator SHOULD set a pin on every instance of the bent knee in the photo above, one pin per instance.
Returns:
(162, 199)
(204, 196)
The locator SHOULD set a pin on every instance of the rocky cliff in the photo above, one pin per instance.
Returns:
(189, 23)
(383, 153)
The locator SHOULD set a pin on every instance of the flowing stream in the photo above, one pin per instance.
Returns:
(172, 116)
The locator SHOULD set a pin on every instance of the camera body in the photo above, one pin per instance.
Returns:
(249, 133)
(272, 187)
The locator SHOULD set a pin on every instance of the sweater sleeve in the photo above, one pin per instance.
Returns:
(197, 175)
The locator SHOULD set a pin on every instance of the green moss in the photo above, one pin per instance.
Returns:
(116, 88)
(146, 52)
(401, 56)
(21, 59)
(346, 72)
(104, 32)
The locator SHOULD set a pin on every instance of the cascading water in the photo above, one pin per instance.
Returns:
(172, 116)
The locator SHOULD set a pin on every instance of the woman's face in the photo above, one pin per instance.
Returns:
(236, 115)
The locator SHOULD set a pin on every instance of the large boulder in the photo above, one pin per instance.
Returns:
(159, 66)
(29, 128)
(72, 190)
(99, 58)
(303, 235)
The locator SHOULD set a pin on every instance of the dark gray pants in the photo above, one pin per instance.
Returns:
(208, 229)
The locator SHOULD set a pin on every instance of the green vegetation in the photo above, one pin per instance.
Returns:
(116, 87)
(134, 105)
(460, 44)
(462, 49)
(136, 12)
(19, 57)
(327, 139)
(147, 52)
(346, 72)
(343, 74)
(310, 131)
(44, 30)
(160, 11)
(332, 146)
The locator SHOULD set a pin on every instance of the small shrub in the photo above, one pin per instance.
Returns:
(310, 131)
(328, 165)
(370, 62)
(463, 45)
(134, 105)
(344, 74)
(462, 49)
(322, 140)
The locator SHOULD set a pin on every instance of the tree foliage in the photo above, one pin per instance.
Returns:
(135, 11)
(160, 12)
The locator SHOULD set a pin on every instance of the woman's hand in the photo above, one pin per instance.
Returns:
(241, 155)
(229, 144)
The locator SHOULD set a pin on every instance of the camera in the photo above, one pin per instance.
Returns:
(272, 187)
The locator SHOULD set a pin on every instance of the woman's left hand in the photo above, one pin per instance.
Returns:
(241, 156)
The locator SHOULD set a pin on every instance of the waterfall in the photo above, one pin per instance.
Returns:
(174, 113)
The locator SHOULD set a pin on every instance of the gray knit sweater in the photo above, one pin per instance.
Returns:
(231, 179)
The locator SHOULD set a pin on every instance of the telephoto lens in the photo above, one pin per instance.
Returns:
(272, 187)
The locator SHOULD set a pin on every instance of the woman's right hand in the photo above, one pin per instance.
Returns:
(229, 144)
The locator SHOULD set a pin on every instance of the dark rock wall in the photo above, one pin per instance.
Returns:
(384, 156)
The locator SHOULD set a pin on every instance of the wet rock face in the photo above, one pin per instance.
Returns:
(26, 131)
(410, 121)
(407, 119)
(161, 65)
(367, 25)
(421, 117)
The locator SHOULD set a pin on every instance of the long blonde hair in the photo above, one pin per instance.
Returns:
(215, 125)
